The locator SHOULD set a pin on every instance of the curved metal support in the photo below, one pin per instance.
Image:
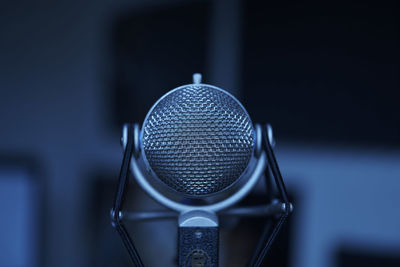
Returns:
(239, 195)
(228, 202)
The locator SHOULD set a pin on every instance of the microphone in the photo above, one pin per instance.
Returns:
(198, 140)
(198, 154)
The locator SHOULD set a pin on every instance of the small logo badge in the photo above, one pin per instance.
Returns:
(197, 258)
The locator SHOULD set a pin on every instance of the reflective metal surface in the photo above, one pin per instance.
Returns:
(198, 139)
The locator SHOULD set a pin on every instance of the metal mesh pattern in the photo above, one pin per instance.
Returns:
(198, 140)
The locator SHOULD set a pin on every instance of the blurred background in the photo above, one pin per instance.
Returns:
(325, 75)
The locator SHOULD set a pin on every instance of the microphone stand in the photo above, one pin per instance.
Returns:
(265, 241)
(116, 211)
(279, 207)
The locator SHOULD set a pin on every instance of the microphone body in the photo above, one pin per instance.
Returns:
(197, 153)
(196, 144)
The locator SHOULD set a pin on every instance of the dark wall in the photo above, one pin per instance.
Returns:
(324, 72)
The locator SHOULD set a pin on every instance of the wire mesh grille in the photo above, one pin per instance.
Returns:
(198, 140)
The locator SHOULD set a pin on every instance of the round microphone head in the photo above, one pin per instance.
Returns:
(197, 139)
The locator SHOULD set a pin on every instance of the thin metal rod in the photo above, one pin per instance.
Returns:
(269, 241)
(250, 211)
(264, 244)
(126, 239)
(119, 200)
(148, 215)
(275, 169)
(256, 211)
(268, 184)
(261, 242)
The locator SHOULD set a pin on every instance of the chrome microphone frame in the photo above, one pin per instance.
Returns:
(278, 209)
